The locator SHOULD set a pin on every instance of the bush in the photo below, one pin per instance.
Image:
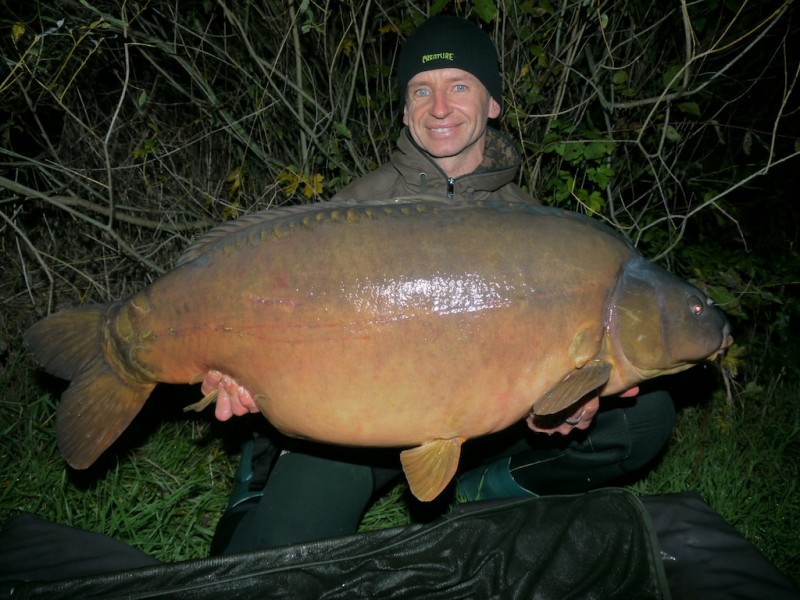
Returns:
(132, 128)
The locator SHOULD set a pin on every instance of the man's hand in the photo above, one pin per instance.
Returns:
(577, 416)
(232, 398)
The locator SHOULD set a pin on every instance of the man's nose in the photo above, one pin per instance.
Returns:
(441, 105)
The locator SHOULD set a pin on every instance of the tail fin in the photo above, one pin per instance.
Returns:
(102, 400)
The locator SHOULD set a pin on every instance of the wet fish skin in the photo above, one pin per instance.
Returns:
(412, 323)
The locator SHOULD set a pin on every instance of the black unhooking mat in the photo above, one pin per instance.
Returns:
(599, 545)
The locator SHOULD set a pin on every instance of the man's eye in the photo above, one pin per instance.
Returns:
(422, 92)
(459, 87)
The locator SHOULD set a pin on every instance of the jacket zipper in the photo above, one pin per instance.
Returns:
(450, 184)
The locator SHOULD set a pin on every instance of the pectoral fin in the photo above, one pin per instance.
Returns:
(573, 387)
(430, 467)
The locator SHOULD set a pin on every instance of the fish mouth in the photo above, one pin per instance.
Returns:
(727, 342)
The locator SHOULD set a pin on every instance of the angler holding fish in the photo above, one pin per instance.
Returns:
(429, 303)
(448, 151)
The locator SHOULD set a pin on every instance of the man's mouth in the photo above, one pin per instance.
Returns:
(441, 130)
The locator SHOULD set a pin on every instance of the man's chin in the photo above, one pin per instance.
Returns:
(437, 149)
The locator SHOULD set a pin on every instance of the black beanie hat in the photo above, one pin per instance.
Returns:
(445, 42)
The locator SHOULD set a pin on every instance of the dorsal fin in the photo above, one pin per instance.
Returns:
(275, 217)
(241, 225)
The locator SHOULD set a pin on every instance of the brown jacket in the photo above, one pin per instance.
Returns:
(412, 172)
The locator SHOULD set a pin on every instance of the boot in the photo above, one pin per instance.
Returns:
(489, 481)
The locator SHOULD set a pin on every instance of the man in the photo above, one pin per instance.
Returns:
(449, 75)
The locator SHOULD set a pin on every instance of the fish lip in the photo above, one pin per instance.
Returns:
(727, 338)
(727, 342)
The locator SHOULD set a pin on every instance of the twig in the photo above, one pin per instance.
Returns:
(714, 200)
(298, 74)
(65, 202)
(122, 95)
(37, 256)
(31, 193)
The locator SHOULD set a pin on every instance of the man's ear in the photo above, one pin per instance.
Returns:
(494, 108)
(405, 113)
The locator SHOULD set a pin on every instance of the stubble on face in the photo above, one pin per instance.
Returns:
(446, 112)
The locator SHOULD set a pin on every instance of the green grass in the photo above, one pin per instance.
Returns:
(165, 495)
(744, 461)
(390, 510)
(164, 499)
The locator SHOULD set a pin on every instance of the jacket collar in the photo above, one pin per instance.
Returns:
(500, 164)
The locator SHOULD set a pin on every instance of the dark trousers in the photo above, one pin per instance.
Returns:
(622, 441)
(318, 495)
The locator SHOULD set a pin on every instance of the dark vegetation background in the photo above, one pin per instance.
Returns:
(129, 128)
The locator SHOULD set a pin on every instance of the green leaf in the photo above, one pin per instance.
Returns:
(690, 108)
(486, 9)
(438, 6)
(142, 99)
(595, 150)
(619, 77)
(600, 175)
(539, 53)
(672, 79)
(342, 130)
(724, 299)
(17, 31)
(672, 134)
(571, 151)
(595, 202)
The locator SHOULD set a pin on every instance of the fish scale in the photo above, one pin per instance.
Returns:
(411, 323)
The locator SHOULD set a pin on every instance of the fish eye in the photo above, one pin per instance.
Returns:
(696, 305)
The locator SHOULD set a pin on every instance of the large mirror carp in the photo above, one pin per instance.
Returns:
(410, 323)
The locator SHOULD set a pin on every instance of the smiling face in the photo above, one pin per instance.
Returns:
(446, 112)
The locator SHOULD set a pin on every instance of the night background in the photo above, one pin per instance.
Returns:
(128, 130)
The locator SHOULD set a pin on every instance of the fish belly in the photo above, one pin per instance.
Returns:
(386, 331)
